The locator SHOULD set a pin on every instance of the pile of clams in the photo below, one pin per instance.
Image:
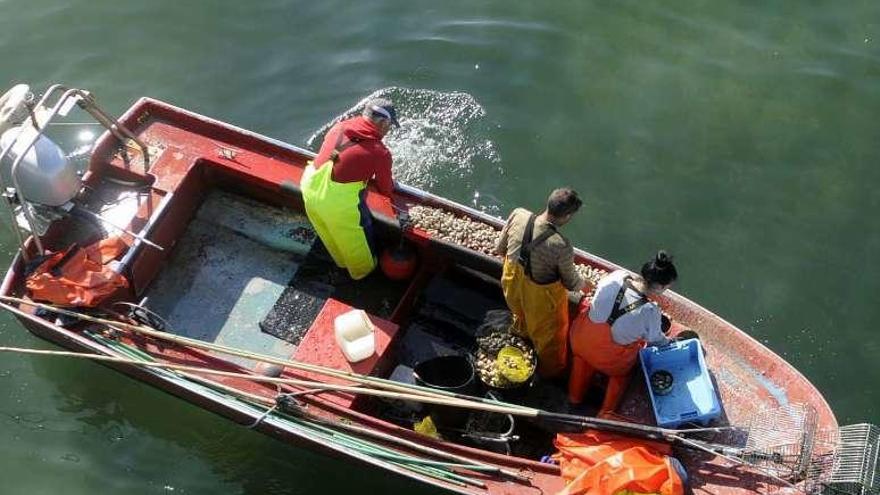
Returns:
(463, 231)
(476, 235)
(590, 274)
(487, 353)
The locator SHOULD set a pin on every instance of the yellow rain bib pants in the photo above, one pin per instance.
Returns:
(334, 210)
(540, 313)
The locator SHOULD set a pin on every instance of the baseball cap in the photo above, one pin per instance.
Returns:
(383, 107)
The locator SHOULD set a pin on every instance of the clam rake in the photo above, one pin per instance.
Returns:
(850, 465)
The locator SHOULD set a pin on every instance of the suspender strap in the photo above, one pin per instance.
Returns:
(617, 311)
(342, 146)
(527, 244)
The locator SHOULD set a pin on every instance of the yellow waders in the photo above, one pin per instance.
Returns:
(332, 208)
(540, 312)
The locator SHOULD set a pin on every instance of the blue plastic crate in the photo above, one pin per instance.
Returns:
(693, 398)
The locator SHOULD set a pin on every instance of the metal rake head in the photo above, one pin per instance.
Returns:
(785, 444)
(847, 464)
(780, 441)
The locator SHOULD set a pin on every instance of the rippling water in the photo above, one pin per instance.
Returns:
(443, 138)
(740, 136)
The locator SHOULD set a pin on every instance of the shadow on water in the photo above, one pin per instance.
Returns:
(443, 137)
(142, 428)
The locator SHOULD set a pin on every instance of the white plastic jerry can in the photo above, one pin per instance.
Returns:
(355, 335)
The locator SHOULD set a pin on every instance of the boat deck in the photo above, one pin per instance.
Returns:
(226, 272)
(254, 277)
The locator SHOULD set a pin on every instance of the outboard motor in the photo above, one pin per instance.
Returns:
(45, 175)
(36, 172)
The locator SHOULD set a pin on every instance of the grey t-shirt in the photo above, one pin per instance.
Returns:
(552, 260)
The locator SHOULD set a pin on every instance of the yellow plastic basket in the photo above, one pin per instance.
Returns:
(513, 365)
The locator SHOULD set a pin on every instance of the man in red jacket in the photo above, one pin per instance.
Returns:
(334, 185)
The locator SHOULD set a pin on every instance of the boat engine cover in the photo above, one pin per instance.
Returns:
(45, 175)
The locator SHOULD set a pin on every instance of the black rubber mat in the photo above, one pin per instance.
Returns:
(293, 313)
(317, 279)
(302, 299)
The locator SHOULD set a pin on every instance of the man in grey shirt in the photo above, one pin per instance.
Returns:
(538, 268)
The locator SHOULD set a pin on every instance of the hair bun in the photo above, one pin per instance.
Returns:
(662, 259)
(660, 270)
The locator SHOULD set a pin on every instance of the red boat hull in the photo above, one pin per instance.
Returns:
(194, 153)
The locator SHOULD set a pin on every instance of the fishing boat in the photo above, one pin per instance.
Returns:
(216, 289)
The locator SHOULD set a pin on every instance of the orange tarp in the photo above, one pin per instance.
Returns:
(598, 463)
(83, 280)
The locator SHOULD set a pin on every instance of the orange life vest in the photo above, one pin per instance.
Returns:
(83, 278)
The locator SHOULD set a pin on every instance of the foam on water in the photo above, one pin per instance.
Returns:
(442, 139)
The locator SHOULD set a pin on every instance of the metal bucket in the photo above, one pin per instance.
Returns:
(490, 431)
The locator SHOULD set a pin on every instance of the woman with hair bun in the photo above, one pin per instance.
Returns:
(610, 328)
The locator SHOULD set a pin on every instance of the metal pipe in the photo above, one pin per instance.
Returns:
(87, 102)
(113, 125)
(28, 214)
(74, 123)
(146, 230)
(98, 218)
(13, 224)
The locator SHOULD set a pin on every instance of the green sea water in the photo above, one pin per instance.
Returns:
(740, 136)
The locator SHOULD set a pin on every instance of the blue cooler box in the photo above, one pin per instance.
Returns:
(692, 398)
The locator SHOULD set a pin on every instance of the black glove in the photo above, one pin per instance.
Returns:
(404, 220)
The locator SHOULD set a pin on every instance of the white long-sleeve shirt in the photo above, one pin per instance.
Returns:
(640, 323)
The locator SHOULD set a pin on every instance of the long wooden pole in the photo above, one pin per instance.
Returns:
(353, 377)
(444, 401)
(328, 426)
(413, 393)
(388, 388)
(357, 429)
(266, 401)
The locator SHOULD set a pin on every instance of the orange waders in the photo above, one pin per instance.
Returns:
(595, 350)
